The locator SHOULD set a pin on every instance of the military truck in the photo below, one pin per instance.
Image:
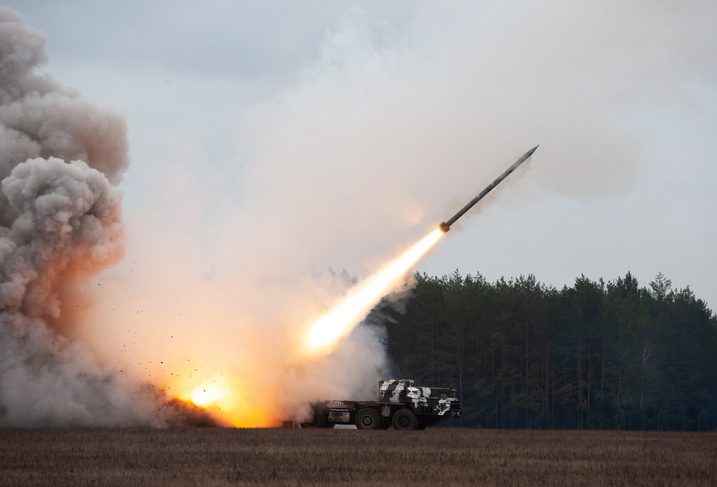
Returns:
(400, 404)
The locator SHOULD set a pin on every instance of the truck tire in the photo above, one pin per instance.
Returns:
(405, 419)
(317, 421)
(368, 419)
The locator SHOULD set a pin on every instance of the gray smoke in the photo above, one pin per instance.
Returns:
(60, 223)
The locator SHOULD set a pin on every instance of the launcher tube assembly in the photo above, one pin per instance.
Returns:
(445, 226)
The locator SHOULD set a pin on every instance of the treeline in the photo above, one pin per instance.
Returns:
(595, 355)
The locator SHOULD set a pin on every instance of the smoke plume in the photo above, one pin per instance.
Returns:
(60, 223)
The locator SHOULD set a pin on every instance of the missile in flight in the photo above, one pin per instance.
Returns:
(445, 226)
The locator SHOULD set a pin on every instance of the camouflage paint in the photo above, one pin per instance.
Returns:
(431, 405)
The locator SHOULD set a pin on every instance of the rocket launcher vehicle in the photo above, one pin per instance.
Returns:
(445, 226)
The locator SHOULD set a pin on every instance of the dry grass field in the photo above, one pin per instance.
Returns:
(288, 457)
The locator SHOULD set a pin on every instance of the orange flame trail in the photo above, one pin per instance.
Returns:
(349, 312)
(231, 399)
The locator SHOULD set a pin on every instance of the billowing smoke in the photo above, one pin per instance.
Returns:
(60, 223)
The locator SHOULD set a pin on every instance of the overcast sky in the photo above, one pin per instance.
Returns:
(622, 99)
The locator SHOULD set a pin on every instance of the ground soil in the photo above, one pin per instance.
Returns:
(283, 457)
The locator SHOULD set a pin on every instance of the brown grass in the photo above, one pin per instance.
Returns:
(279, 457)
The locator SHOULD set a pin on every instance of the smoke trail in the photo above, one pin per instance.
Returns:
(60, 223)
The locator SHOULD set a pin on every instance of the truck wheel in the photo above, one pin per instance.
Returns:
(317, 421)
(368, 419)
(404, 419)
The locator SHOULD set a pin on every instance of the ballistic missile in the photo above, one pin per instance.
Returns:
(445, 226)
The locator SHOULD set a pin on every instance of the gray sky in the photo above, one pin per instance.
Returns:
(232, 102)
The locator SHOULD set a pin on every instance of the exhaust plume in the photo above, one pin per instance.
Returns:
(345, 315)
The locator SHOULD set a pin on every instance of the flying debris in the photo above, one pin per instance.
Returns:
(445, 226)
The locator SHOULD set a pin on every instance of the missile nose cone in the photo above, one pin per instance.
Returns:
(530, 152)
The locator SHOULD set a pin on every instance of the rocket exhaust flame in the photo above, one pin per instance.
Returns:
(345, 315)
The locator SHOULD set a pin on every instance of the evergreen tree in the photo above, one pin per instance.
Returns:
(594, 355)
